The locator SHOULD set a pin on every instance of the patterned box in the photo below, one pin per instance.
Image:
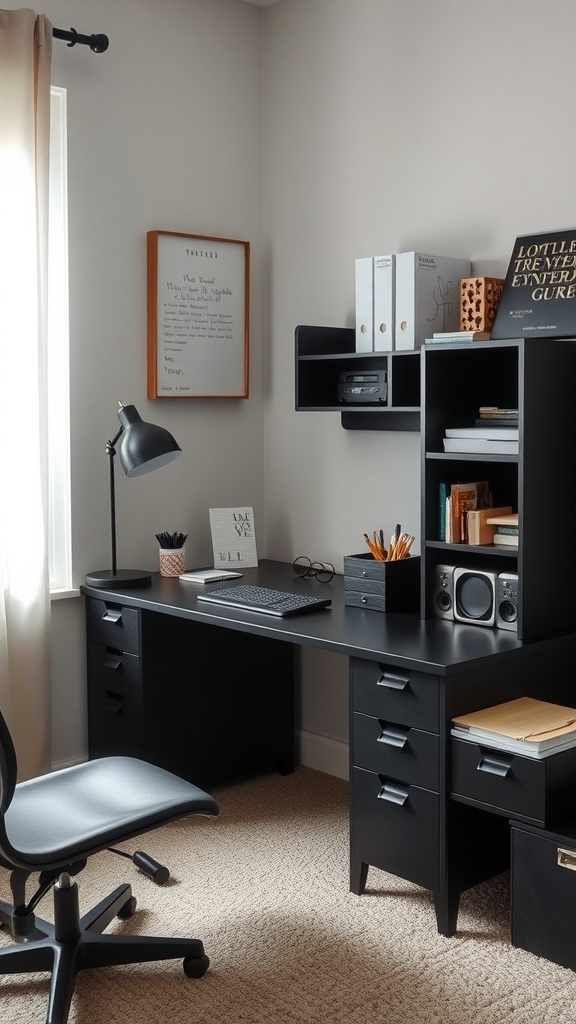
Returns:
(479, 298)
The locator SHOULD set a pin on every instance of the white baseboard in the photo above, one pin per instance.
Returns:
(322, 753)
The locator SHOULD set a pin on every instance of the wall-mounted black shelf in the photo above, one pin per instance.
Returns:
(323, 353)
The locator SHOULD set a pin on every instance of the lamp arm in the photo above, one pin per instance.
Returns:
(111, 452)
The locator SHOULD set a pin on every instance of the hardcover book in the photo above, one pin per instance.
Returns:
(539, 296)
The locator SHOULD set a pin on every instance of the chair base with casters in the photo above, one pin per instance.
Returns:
(80, 811)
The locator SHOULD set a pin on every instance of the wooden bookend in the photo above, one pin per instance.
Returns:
(479, 298)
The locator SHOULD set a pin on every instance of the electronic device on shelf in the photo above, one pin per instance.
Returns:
(364, 387)
(265, 600)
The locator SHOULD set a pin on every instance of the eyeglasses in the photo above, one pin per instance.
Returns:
(323, 571)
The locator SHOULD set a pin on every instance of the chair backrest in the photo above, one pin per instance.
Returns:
(8, 777)
(8, 767)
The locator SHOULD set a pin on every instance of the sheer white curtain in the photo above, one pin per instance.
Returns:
(25, 60)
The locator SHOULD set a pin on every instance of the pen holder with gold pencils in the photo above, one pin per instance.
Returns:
(382, 586)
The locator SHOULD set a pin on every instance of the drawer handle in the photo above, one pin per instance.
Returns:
(566, 858)
(114, 702)
(392, 681)
(113, 663)
(393, 737)
(112, 615)
(494, 765)
(392, 793)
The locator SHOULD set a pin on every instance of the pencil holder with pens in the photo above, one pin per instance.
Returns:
(382, 586)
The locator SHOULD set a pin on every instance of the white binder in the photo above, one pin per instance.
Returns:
(384, 300)
(364, 304)
(427, 296)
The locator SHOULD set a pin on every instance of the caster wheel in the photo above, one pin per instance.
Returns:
(196, 966)
(128, 909)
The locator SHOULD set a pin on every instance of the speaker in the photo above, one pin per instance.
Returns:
(475, 596)
(443, 596)
(507, 601)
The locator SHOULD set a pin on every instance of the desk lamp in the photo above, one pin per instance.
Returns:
(144, 448)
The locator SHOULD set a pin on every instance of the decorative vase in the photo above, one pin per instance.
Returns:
(172, 561)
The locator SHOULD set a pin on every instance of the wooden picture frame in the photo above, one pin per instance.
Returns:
(198, 315)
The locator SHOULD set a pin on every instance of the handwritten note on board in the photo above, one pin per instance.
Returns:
(197, 316)
(233, 537)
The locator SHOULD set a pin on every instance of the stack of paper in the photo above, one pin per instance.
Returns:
(525, 726)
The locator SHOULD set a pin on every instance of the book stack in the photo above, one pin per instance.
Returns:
(491, 440)
(455, 502)
(492, 416)
(480, 526)
(525, 726)
(505, 527)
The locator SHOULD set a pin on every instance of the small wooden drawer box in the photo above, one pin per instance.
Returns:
(382, 586)
(538, 791)
(543, 891)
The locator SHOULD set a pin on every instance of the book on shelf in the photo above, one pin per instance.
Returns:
(509, 531)
(505, 540)
(443, 494)
(460, 336)
(464, 497)
(490, 412)
(525, 725)
(481, 445)
(480, 531)
(490, 422)
(503, 518)
(539, 295)
(488, 433)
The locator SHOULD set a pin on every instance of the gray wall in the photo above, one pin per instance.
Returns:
(320, 130)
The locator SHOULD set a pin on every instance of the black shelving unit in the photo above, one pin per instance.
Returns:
(323, 353)
(537, 376)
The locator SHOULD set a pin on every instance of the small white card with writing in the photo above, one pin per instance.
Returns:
(233, 537)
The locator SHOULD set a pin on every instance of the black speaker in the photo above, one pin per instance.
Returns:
(507, 601)
(443, 596)
(475, 596)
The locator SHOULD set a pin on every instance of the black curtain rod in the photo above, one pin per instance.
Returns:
(97, 43)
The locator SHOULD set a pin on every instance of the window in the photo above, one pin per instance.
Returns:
(59, 502)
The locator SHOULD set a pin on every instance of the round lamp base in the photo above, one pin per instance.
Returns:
(122, 578)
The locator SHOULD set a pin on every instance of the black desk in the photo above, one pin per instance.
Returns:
(207, 692)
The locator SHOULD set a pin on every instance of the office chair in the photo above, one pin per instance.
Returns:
(51, 825)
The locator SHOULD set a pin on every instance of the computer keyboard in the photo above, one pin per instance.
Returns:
(265, 600)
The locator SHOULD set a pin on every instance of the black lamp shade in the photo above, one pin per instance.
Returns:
(144, 446)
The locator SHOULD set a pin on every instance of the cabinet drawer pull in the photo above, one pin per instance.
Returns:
(113, 662)
(392, 681)
(566, 858)
(114, 702)
(112, 615)
(494, 765)
(393, 793)
(393, 736)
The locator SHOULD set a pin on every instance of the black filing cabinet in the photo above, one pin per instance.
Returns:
(543, 891)
(394, 773)
(115, 706)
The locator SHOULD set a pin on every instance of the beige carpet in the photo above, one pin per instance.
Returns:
(265, 886)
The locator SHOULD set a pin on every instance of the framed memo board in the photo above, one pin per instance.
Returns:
(198, 316)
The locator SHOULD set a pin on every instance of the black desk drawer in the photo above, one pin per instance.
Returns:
(114, 670)
(113, 625)
(403, 753)
(540, 792)
(543, 892)
(115, 724)
(395, 827)
(395, 695)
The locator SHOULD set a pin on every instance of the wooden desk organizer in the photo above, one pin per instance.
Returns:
(382, 586)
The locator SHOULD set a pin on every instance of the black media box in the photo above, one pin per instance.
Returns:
(383, 586)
